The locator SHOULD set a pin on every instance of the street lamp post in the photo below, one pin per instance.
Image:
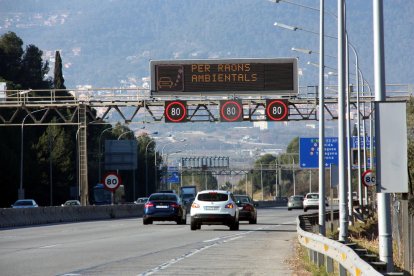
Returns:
(261, 177)
(321, 157)
(343, 214)
(50, 170)
(360, 82)
(162, 155)
(166, 162)
(293, 175)
(384, 210)
(346, 68)
(146, 167)
(20, 193)
(99, 152)
(133, 171)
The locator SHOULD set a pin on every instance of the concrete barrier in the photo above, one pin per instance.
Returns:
(270, 203)
(10, 217)
(42, 215)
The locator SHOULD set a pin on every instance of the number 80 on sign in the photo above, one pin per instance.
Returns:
(368, 178)
(231, 111)
(111, 181)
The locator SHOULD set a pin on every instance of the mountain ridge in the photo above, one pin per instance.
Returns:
(109, 43)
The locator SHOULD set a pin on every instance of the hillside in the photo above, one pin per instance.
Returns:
(108, 43)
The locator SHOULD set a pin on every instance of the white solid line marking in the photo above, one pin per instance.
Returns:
(191, 253)
(48, 246)
(216, 239)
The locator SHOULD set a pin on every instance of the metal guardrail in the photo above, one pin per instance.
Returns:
(325, 251)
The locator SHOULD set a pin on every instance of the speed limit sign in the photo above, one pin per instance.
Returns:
(111, 181)
(231, 111)
(175, 111)
(277, 110)
(368, 178)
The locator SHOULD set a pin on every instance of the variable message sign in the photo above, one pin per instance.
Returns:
(213, 76)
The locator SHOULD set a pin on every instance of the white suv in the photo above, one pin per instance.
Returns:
(214, 207)
(311, 201)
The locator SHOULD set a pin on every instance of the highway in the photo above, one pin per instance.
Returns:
(127, 247)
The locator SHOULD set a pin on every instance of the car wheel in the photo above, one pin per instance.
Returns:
(305, 209)
(234, 226)
(253, 221)
(146, 221)
(193, 225)
(289, 209)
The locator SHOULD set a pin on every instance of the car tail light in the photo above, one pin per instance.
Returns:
(229, 206)
(247, 207)
(149, 204)
(174, 205)
(195, 205)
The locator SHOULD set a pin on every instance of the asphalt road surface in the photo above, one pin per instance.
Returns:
(127, 247)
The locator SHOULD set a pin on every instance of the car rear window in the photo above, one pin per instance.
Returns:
(242, 199)
(171, 197)
(23, 203)
(213, 197)
(296, 198)
(313, 196)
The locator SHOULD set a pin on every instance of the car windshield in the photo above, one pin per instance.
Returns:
(213, 197)
(169, 197)
(23, 203)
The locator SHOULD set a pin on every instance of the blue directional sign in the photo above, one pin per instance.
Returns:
(173, 177)
(354, 141)
(309, 152)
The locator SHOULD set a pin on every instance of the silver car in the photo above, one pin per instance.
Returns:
(295, 202)
(25, 203)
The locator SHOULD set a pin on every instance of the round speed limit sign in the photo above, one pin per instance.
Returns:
(368, 178)
(111, 181)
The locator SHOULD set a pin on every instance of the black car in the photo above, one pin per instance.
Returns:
(247, 208)
(164, 207)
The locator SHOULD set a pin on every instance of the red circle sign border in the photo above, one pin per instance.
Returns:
(363, 178)
(284, 114)
(239, 111)
(179, 119)
(117, 176)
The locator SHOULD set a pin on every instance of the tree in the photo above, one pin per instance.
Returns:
(54, 155)
(58, 80)
(33, 69)
(11, 52)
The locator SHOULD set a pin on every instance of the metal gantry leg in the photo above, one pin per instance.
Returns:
(83, 156)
